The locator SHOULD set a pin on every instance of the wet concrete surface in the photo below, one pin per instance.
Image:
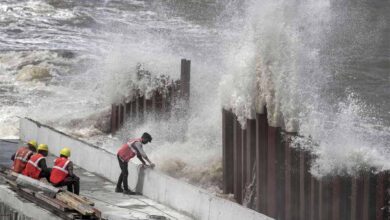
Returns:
(101, 191)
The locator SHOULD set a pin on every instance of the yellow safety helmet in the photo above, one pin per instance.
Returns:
(65, 151)
(33, 143)
(43, 147)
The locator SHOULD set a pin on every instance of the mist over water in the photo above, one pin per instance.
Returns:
(320, 67)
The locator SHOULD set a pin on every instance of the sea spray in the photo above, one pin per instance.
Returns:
(304, 70)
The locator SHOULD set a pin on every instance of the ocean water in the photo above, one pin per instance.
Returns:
(320, 67)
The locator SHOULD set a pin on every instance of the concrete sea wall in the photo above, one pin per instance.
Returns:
(177, 194)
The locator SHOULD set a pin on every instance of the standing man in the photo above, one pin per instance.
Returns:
(22, 155)
(36, 167)
(130, 149)
(62, 173)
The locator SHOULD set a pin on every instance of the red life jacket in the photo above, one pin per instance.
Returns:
(126, 152)
(21, 157)
(32, 170)
(59, 172)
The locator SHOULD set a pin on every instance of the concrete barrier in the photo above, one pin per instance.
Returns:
(179, 195)
(21, 208)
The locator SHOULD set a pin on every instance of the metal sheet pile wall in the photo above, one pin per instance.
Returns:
(284, 188)
(168, 95)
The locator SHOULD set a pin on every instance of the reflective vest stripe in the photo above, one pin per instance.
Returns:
(59, 172)
(25, 158)
(62, 168)
(32, 169)
(35, 164)
(126, 152)
(21, 157)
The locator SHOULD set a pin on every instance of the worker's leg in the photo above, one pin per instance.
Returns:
(76, 185)
(123, 176)
(69, 186)
(45, 173)
(72, 183)
(120, 179)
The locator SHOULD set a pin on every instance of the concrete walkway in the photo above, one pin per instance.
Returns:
(113, 205)
(120, 206)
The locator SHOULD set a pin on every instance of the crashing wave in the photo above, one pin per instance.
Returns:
(33, 73)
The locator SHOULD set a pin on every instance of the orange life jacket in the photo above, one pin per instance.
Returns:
(59, 172)
(21, 157)
(126, 152)
(32, 169)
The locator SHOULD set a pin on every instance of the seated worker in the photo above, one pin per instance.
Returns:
(36, 167)
(62, 173)
(22, 155)
(132, 148)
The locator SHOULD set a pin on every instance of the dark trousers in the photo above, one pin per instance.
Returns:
(72, 183)
(124, 174)
(45, 173)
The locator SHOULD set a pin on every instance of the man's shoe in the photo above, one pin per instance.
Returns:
(118, 190)
(129, 192)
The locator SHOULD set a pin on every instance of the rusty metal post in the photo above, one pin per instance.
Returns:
(121, 114)
(380, 196)
(140, 108)
(118, 118)
(227, 151)
(134, 109)
(158, 104)
(237, 136)
(243, 162)
(251, 148)
(114, 116)
(313, 198)
(366, 196)
(271, 174)
(164, 106)
(287, 177)
(354, 190)
(124, 111)
(295, 184)
(320, 201)
(336, 194)
(360, 197)
(326, 199)
(172, 94)
(345, 197)
(280, 175)
(128, 109)
(148, 106)
(168, 103)
(137, 107)
(302, 185)
(261, 162)
(308, 191)
(185, 79)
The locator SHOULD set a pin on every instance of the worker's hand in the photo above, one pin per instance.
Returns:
(152, 165)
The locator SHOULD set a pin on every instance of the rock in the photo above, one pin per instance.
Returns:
(29, 73)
